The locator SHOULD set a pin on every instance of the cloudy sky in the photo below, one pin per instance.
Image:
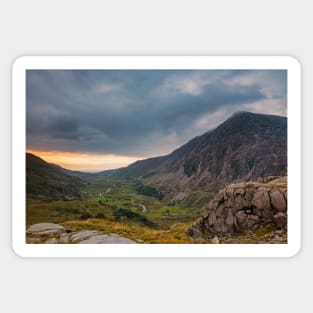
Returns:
(99, 119)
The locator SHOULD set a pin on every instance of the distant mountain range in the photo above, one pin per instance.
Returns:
(244, 147)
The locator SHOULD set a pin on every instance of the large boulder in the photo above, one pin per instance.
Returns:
(278, 201)
(261, 203)
(244, 207)
(49, 233)
(280, 220)
(83, 235)
(45, 229)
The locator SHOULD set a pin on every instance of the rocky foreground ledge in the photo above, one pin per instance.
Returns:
(244, 208)
(49, 233)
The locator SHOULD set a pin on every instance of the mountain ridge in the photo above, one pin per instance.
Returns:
(245, 146)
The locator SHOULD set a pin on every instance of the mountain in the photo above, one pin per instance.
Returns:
(244, 147)
(143, 168)
(49, 181)
(105, 173)
(71, 172)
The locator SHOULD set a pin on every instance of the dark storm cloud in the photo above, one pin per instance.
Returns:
(140, 112)
(64, 127)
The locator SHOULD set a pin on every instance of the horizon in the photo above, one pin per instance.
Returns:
(95, 120)
(76, 162)
(59, 157)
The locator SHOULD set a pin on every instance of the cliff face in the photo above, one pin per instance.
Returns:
(245, 207)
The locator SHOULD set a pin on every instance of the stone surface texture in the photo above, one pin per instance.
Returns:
(49, 233)
(244, 207)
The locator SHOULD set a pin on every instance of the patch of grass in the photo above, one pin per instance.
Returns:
(263, 230)
(134, 231)
(257, 237)
(277, 186)
(197, 199)
(38, 211)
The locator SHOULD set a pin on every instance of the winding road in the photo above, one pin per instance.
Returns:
(144, 209)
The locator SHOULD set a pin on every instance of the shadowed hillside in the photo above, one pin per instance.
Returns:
(50, 182)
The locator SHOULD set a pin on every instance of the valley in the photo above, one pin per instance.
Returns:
(114, 206)
(184, 197)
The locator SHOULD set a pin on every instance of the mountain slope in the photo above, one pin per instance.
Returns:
(244, 147)
(48, 181)
(78, 174)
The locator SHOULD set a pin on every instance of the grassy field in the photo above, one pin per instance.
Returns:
(115, 206)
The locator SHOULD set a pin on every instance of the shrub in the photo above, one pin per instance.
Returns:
(150, 192)
(100, 215)
(85, 216)
(130, 215)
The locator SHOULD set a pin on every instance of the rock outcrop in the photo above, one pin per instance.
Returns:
(244, 207)
(50, 233)
(45, 229)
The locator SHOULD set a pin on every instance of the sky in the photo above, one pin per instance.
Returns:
(92, 120)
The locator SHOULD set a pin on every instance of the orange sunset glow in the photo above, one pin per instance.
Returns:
(90, 162)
